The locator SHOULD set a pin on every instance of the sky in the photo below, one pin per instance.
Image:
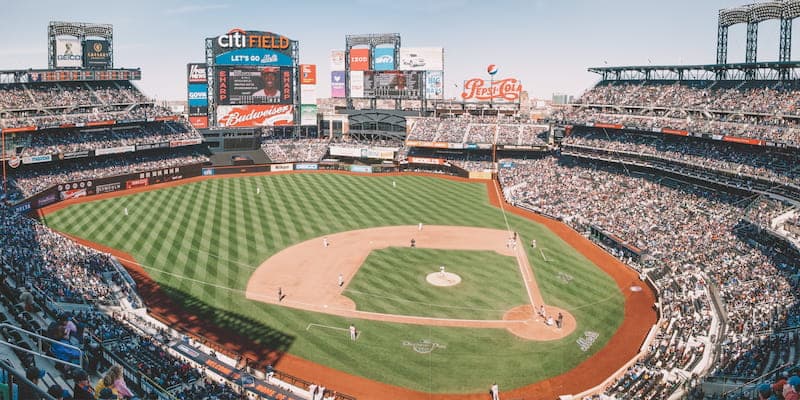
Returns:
(546, 44)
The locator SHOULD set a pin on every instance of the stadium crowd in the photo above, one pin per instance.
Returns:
(757, 110)
(741, 160)
(54, 104)
(75, 140)
(688, 237)
(29, 182)
(42, 274)
(287, 150)
(472, 129)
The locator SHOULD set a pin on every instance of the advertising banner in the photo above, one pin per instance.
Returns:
(74, 154)
(678, 132)
(185, 142)
(199, 122)
(281, 167)
(69, 52)
(196, 73)
(96, 54)
(308, 114)
(434, 85)
(337, 60)
(237, 38)
(308, 94)
(136, 183)
(200, 111)
(110, 187)
(254, 57)
(359, 59)
(499, 91)
(506, 164)
(344, 151)
(247, 85)
(45, 200)
(361, 168)
(734, 139)
(306, 167)
(308, 74)
(14, 161)
(255, 115)
(356, 84)
(337, 84)
(392, 84)
(73, 194)
(207, 171)
(198, 95)
(421, 59)
(383, 58)
(115, 150)
(426, 160)
(240, 47)
(22, 207)
(37, 159)
(419, 143)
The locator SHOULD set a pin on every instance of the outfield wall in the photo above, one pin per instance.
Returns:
(90, 187)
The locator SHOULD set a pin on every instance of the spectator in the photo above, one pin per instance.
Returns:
(83, 389)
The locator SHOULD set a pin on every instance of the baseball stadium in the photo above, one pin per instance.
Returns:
(258, 241)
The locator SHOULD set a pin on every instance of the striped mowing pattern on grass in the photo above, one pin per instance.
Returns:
(202, 241)
(392, 281)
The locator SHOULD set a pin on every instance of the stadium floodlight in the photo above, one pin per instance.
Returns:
(766, 11)
(791, 9)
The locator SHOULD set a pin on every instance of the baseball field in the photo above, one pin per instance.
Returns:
(208, 246)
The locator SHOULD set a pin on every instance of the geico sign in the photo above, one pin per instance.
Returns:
(506, 89)
(237, 38)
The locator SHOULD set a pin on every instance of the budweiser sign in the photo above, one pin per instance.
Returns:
(477, 89)
(255, 115)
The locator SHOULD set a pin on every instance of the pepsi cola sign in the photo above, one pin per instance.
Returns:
(502, 90)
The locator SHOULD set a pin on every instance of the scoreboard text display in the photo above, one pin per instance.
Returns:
(254, 85)
(393, 84)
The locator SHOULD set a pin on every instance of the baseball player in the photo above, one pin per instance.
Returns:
(341, 280)
(353, 332)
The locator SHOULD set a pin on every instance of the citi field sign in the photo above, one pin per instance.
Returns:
(501, 90)
(241, 47)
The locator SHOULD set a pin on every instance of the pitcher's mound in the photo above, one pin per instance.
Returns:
(443, 279)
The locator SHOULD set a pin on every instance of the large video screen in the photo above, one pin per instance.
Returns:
(393, 84)
(254, 85)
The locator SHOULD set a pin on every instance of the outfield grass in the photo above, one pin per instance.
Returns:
(490, 284)
(202, 241)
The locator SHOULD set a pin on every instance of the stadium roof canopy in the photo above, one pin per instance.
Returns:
(773, 70)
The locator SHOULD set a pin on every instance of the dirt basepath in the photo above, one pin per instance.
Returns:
(307, 275)
(640, 316)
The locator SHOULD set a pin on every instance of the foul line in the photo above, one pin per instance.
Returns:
(325, 326)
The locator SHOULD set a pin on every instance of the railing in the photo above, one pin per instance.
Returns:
(12, 381)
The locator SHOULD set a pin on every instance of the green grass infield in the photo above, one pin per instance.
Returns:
(393, 281)
(202, 241)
